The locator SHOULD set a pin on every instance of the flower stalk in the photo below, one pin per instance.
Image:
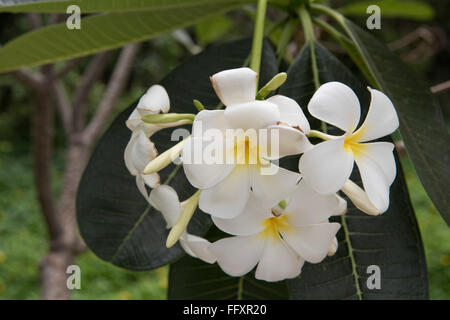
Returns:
(258, 35)
(180, 226)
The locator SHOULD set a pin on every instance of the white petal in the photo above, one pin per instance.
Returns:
(238, 255)
(197, 247)
(281, 141)
(290, 112)
(228, 198)
(206, 120)
(275, 187)
(165, 199)
(327, 166)
(278, 262)
(152, 180)
(155, 100)
(235, 85)
(307, 206)
(249, 222)
(141, 186)
(381, 120)
(139, 152)
(204, 169)
(337, 104)
(376, 165)
(133, 120)
(252, 115)
(313, 241)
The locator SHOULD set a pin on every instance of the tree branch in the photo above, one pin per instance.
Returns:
(114, 90)
(91, 75)
(63, 104)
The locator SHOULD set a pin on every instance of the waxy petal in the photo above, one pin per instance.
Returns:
(197, 247)
(327, 166)
(336, 104)
(252, 115)
(306, 206)
(201, 170)
(278, 262)
(235, 86)
(249, 222)
(285, 141)
(165, 199)
(381, 120)
(290, 112)
(313, 241)
(139, 152)
(377, 167)
(273, 184)
(238, 255)
(155, 100)
(228, 198)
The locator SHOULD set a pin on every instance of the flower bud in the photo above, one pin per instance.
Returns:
(359, 198)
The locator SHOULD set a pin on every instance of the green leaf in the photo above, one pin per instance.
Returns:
(422, 125)
(101, 32)
(114, 219)
(193, 279)
(413, 10)
(213, 28)
(391, 241)
(90, 6)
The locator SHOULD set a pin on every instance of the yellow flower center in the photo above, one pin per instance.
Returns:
(272, 226)
(352, 144)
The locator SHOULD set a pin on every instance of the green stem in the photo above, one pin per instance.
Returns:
(308, 29)
(348, 43)
(258, 36)
(305, 18)
(286, 36)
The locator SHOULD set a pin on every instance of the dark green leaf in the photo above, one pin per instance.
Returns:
(191, 278)
(413, 10)
(114, 219)
(89, 6)
(102, 32)
(421, 122)
(391, 241)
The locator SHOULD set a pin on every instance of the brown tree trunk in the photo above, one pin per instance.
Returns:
(68, 244)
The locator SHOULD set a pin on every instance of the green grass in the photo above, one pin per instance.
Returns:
(23, 243)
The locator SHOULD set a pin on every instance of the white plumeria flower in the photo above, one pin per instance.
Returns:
(165, 199)
(329, 164)
(278, 240)
(140, 150)
(226, 186)
(138, 153)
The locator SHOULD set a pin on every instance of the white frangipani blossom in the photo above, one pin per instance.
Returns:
(165, 199)
(279, 240)
(328, 165)
(226, 186)
(140, 150)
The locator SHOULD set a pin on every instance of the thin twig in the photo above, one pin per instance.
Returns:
(113, 91)
(441, 87)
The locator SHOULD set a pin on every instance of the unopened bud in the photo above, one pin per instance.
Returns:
(167, 117)
(183, 220)
(165, 158)
(276, 82)
(359, 198)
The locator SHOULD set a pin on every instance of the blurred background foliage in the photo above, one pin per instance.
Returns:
(420, 37)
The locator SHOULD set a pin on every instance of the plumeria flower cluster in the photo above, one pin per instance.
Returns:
(276, 219)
